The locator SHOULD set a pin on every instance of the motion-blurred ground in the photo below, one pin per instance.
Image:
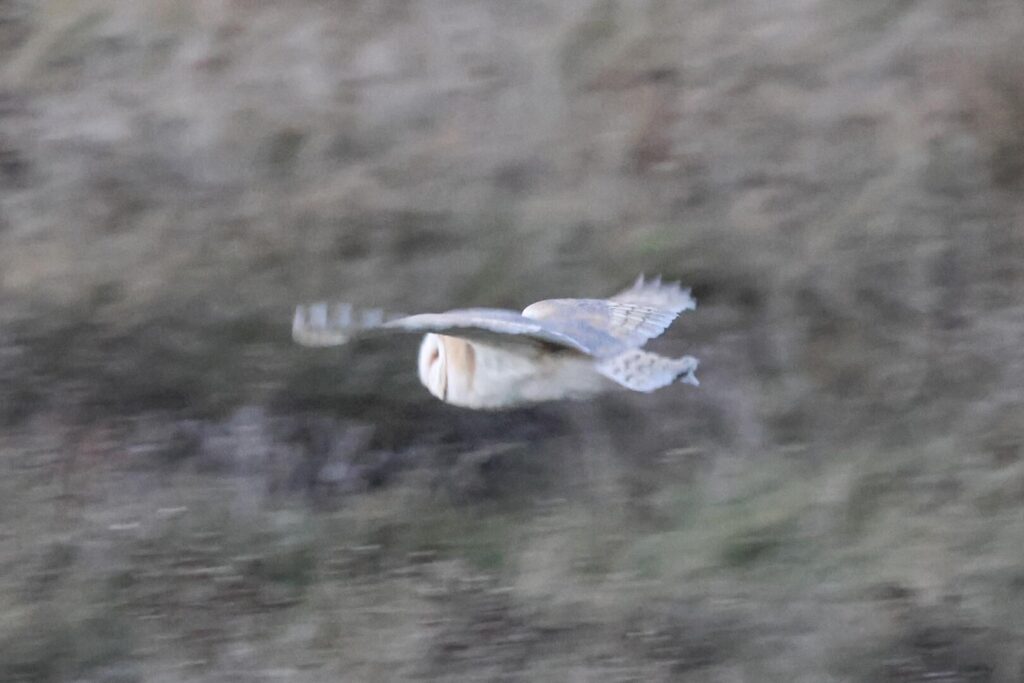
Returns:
(185, 496)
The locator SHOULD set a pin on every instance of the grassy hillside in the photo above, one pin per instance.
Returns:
(188, 496)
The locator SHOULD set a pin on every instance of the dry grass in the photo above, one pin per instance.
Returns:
(788, 566)
(187, 496)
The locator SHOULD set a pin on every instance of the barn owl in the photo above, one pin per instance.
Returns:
(489, 358)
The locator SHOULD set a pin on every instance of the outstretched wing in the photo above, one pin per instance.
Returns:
(332, 325)
(634, 316)
(597, 327)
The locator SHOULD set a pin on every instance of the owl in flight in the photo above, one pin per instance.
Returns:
(492, 358)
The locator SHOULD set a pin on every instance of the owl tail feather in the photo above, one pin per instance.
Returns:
(644, 371)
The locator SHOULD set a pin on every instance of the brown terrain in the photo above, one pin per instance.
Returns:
(185, 495)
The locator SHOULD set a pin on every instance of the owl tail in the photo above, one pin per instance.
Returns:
(644, 371)
(324, 324)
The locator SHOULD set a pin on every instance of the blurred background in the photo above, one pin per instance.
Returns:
(186, 496)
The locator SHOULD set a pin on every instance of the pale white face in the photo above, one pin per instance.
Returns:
(433, 366)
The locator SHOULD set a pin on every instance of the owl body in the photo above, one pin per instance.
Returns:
(486, 358)
(484, 376)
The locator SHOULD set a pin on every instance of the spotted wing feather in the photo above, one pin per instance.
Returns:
(644, 371)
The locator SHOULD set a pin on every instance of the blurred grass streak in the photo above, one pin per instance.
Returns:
(143, 571)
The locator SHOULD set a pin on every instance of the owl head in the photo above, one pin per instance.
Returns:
(447, 367)
(433, 365)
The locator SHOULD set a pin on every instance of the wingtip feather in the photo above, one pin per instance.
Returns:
(655, 292)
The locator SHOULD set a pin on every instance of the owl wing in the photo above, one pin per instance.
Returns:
(632, 317)
(602, 328)
(332, 325)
